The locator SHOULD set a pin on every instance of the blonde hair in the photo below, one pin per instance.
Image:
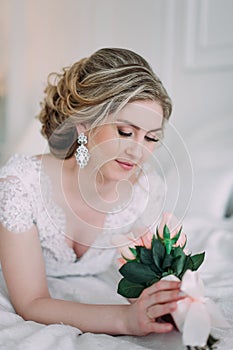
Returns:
(91, 89)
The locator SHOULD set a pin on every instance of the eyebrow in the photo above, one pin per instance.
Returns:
(135, 126)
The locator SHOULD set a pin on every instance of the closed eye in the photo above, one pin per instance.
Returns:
(126, 134)
(151, 139)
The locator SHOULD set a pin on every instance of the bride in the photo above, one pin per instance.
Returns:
(103, 118)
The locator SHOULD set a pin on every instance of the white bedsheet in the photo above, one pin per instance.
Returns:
(216, 238)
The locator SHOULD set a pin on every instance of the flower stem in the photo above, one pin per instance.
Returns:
(211, 344)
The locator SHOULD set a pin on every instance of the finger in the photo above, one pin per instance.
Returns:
(156, 327)
(156, 311)
(162, 285)
(163, 297)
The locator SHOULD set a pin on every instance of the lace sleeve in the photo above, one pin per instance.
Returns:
(16, 212)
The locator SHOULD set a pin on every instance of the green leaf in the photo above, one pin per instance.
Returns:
(168, 245)
(158, 236)
(197, 260)
(167, 262)
(156, 269)
(129, 289)
(158, 253)
(145, 255)
(176, 237)
(188, 265)
(167, 239)
(179, 260)
(178, 251)
(133, 250)
(137, 272)
(156, 279)
(166, 232)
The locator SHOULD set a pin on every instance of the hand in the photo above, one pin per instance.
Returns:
(155, 301)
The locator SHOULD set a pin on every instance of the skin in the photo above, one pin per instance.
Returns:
(129, 137)
(21, 254)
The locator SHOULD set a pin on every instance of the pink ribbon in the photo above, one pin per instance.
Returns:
(195, 314)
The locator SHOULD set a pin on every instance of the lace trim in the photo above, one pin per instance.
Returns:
(21, 206)
(16, 213)
(21, 181)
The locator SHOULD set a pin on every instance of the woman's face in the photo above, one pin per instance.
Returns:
(126, 140)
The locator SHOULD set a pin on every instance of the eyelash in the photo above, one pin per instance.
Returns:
(151, 139)
(128, 134)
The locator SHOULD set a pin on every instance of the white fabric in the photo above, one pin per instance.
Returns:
(216, 271)
(196, 314)
(215, 237)
(26, 198)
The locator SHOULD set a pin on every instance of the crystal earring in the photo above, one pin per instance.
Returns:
(82, 155)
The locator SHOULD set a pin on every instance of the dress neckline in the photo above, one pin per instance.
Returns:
(100, 242)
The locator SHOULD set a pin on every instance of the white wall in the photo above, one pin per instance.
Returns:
(188, 43)
(43, 36)
(200, 47)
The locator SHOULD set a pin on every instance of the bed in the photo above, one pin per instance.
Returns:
(209, 226)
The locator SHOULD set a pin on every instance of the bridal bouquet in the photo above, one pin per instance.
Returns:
(163, 256)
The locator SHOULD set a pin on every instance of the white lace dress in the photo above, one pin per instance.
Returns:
(22, 182)
(21, 206)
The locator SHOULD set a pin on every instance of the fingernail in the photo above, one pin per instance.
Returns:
(169, 327)
(181, 294)
(173, 306)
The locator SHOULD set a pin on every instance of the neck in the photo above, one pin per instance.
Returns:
(101, 194)
(95, 190)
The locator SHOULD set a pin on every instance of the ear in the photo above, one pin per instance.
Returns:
(82, 127)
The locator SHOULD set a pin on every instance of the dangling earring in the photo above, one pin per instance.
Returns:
(82, 155)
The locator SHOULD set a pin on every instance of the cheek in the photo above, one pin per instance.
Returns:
(102, 134)
(150, 147)
(149, 150)
(105, 144)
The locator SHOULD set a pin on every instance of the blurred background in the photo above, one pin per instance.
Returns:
(189, 44)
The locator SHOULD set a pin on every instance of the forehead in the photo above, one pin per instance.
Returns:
(146, 115)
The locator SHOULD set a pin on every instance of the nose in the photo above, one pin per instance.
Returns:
(135, 151)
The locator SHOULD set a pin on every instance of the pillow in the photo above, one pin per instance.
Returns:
(206, 184)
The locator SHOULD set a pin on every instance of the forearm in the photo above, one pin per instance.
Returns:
(109, 319)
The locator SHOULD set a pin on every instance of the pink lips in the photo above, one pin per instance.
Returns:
(125, 165)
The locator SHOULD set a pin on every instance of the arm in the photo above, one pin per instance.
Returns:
(24, 271)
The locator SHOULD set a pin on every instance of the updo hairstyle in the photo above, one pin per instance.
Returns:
(91, 89)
